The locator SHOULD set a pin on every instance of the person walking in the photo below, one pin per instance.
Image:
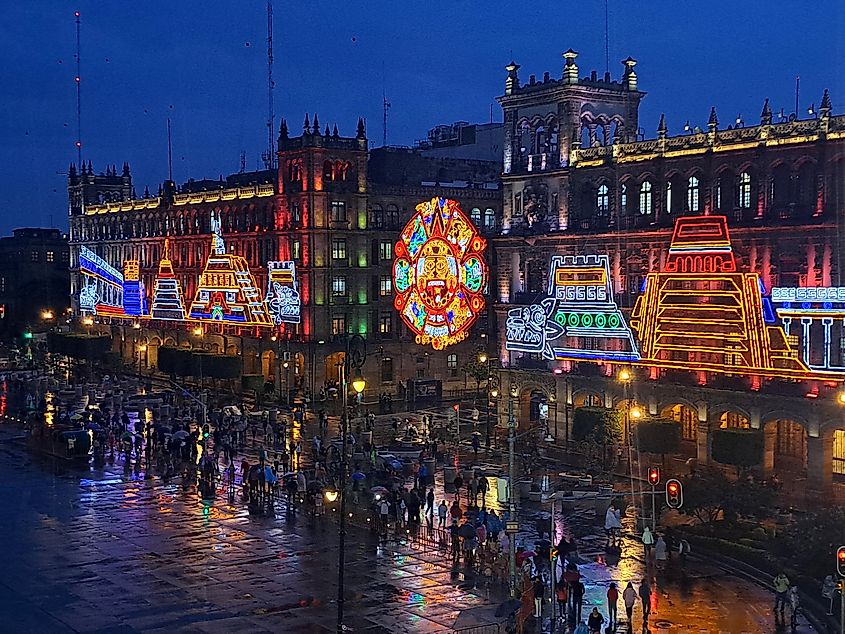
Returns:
(683, 550)
(429, 503)
(648, 543)
(629, 598)
(595, 621)
(645, 597)
(794, 606)
(612, 525)
(612, 599)
(562, 597)
(660, 552)
(456, 511)
(442, 511)
(539, 590)
(458, 483)
(577, 599)
(781, 587)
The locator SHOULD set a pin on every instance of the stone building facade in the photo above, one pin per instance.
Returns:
(579, 178)
(332, 207)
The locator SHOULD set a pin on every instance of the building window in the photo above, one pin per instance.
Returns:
(385, 323)
(452, 365)
(669, 197)
(745, 190)
(623, 199)
(34, 256)
(339, 325)
(338, 248)
(296, 216)
(602, 200)
(391, 217)
(51, 256)
(385, 286)
(692, 193)
(328, 171)
(475, 216)
(296, 250)
(386, 370)
(338, 211)
(645, 198)
(489, 218)
(376, 217)
(338, 285)
(65, 256)
(385, 250)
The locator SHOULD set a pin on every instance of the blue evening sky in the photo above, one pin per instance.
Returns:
(203, 63)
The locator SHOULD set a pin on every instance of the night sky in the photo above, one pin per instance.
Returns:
(203, 64)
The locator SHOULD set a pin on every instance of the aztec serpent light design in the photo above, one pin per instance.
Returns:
(698, 314)
(439, 273)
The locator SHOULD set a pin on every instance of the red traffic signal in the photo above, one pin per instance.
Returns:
(455, 407)
(654, 476)
(840, 561)
(674, 494)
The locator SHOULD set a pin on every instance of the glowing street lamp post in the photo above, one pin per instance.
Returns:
(353, 360)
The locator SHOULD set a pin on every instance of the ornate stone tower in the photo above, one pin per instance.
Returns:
(544, 121)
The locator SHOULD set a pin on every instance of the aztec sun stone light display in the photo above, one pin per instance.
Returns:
(439, 274)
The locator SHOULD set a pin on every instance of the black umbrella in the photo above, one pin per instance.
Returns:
(467, 531)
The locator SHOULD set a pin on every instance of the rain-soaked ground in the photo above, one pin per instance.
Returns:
(94, 551)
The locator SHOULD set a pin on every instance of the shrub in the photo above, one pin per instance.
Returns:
(741, 448)
(658, 436)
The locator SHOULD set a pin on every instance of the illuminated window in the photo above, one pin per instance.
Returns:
(338, 248)
(34, 256)
(51, 256)
(385, 286)
(839, 452)
(339, 325)
(623, 198)
(391, 217)
(385, 249)
(602, 200)
(669, 197)
(338, 211)
(339, 286)
(692, 193)
(452, 365)
(645, 198)
(328, 171)
(296, 250)
(376, 217)
(386, 370)
(744, 190)
(385, 323)
(296, 216)
(475, 216)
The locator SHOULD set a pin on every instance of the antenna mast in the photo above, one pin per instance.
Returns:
(78, 94)
(169, 153)
(270, 159)
(384, 119)
(606, 37)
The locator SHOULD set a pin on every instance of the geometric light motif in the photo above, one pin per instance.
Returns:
(439, 274)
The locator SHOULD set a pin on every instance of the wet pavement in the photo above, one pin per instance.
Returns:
(97, 551)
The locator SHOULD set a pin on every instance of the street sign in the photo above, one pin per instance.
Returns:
(511, 527)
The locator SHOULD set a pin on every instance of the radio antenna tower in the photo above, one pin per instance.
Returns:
(78, 94)
(384, 119)
(270, 156)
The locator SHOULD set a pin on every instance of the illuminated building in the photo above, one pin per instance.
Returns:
(321, 228)
(581, 180)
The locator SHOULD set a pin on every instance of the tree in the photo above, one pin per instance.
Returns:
(478, 371)
(658, 436)
(742, 448)
(595, 429)
(810, 543)
(710, 496)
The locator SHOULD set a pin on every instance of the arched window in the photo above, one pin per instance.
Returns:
(539, 140)
(391, 217)
(328, 171)
(669, 197)
(489, 218)
(692, 193)
(376, 217)
(744, 191)
(645, 198)
(475, 216)
(602, 200)
(623, 199)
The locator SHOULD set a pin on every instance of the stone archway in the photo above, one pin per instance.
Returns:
(152, 352)
(587, 398)
(332, 367)
(687, 417)
(268, 365)
(784, 448)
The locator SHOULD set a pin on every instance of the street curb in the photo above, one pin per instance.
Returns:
(812, 609)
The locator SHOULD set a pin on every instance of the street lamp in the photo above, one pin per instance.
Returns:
(353, 360)
(841, 397)
(47, 314)
(484, 358)
(330, 495)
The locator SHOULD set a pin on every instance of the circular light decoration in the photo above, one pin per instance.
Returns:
(439, 273)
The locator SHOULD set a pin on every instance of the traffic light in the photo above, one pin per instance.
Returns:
(840, 561)
(206, 430)
(674, 494)
(654, 476)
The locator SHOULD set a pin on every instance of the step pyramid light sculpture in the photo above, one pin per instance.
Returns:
(167, 294)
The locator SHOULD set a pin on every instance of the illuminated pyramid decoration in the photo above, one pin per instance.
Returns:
(227, 290)
(579, 319)
(167, 294)
(699, 313)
